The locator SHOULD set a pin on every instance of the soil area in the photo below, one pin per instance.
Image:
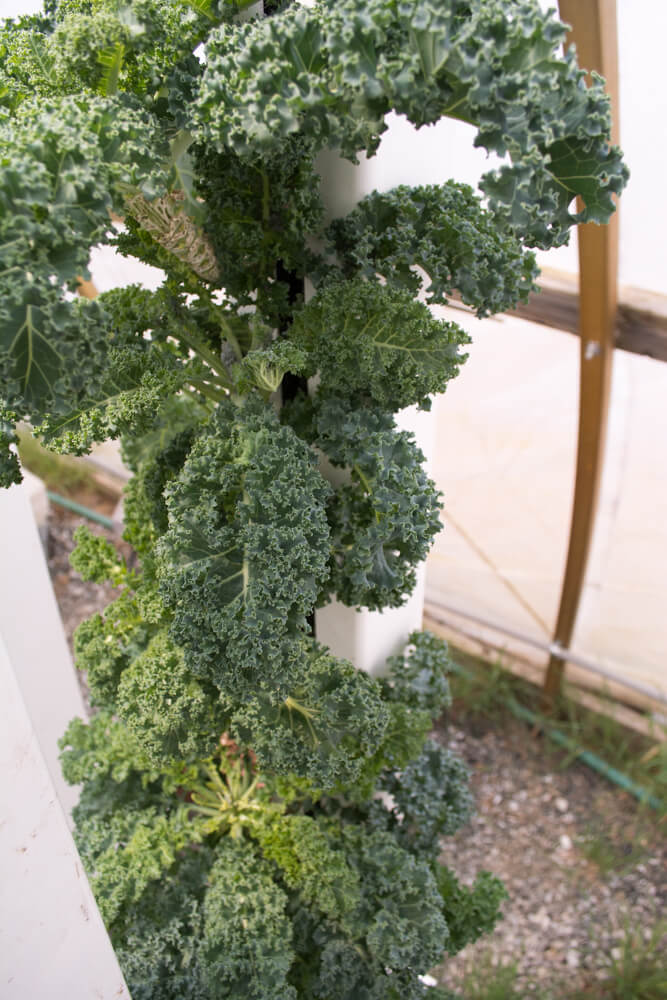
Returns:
(583, 865)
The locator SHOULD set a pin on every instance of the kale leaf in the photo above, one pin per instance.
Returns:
(376, 345)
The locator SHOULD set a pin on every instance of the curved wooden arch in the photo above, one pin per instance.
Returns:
(594, 32)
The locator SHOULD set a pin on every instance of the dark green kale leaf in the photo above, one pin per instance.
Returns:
(443, 230)
(399, 918)
(257, 214)
(325, 729)
(501, 67)
(65, 164)
(418, 677)
(339, 968)
(156, 457)
(63, 167)
(246, 551)
(371, 343)
(50, 351)
(431, 796)
(163, 466)
(379, 950)
(157, 943)
(10, 470)
(385, 517)
(469, 911)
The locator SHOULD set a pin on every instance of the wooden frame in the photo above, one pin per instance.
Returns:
(594, 30)
(640, 325)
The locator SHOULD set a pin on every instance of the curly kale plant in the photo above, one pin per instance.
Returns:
(259, 819)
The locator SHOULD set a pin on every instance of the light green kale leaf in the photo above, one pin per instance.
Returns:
(172, 714)
(105, 645)
(311, 862)
(138, 377)
(246, 947)
(125, 851)
(95, 558)
(269, 79)
(104, 47)
(100, 748)
(25, 64)
(265, 368)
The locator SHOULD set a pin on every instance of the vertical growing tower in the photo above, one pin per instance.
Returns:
(260, 819)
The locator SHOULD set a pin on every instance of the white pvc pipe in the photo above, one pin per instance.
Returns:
(435, 612)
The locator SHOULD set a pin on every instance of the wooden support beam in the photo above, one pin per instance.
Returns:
(641, 316)
(594, 32)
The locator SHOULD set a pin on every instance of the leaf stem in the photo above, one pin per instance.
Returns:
(192, 341)
(208, 390)
(230, 337)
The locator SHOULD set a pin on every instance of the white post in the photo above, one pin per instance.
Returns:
(367, 638)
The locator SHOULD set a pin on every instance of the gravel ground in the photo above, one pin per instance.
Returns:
(582, 865)
(76, 599)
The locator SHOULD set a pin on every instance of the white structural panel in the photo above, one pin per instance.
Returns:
(31, 629)
(53, 943)
(505, 463)
(52, 940)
